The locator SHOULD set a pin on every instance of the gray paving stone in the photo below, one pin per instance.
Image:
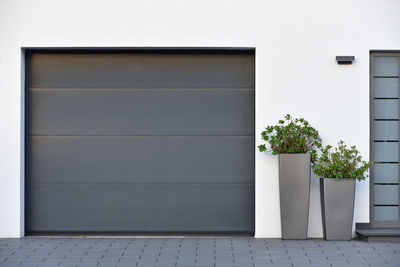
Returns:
(23, 265)
(337, 260)
(351, 265)
(393, 260)
(356, 260)
(12, 261)
(312, 265)
(189, 252)
(278, 265)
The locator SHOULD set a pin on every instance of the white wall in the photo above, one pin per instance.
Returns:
(296, 43)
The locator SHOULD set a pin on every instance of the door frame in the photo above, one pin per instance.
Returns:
(25, 51)
(373, 223)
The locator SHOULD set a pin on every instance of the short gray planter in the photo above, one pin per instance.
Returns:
(294, 191)
(337, 207)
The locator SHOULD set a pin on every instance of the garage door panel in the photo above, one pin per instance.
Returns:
(143, 141)
(121, 208)
(141, 159)
(141, 112)
(140, 70)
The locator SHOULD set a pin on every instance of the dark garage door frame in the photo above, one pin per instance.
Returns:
(173, 50)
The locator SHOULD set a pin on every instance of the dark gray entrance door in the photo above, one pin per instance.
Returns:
(158, 141)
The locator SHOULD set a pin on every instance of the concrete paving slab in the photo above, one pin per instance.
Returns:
(194, 251)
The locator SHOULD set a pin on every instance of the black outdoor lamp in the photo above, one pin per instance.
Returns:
(345, 60)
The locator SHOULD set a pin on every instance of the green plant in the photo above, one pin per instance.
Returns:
(291, 135)
(341, 162)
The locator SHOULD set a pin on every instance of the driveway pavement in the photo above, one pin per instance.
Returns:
(157, 252)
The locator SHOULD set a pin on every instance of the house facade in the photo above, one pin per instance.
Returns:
(144, 116)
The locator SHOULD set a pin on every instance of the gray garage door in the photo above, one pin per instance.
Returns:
(139, 142)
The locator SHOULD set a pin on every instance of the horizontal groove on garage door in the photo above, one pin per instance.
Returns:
(140, 142)
(140, 89)
(122, 112)
(177, 184)
(139, 70)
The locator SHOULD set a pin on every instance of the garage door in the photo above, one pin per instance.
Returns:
(139, 142)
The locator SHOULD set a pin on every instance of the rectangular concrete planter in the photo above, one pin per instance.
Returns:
(294, 189)
(337, 207)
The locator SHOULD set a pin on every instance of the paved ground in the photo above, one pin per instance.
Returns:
(145, 252)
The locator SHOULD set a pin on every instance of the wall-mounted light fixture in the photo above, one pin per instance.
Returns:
(344, 60)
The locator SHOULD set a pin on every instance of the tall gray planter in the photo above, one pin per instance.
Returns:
(294, 189)
(337, 204)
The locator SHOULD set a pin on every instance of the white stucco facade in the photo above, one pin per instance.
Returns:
(296, 43)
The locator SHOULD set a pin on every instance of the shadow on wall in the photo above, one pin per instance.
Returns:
(314, 219)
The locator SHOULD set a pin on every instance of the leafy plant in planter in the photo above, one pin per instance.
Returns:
(341, 162)
(295, 141)
(338, 168)
(290, 136)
